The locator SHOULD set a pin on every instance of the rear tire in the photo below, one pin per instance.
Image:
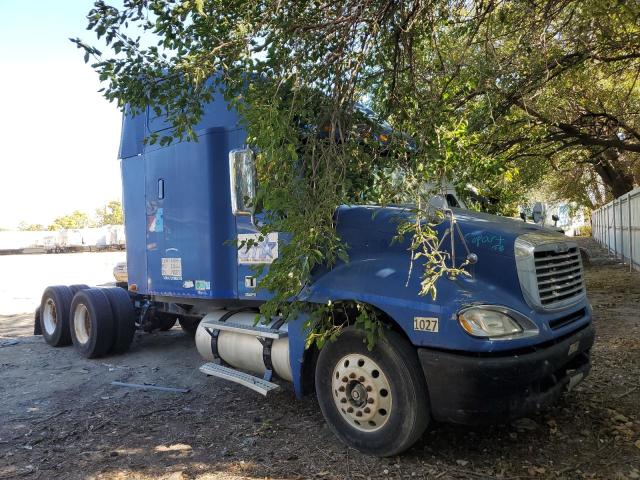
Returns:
(54, 315)
(189, 325)
(124, 318)
(77, 287)
(166, 321)
(374, 401)
(91, 322)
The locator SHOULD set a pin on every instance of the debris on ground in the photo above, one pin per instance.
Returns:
(149, 386)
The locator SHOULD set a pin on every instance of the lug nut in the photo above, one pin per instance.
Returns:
(367, 410)
(369, 400)
(358, 413)
(350, 410)
(345, 379)
(343, 400)
(352, 375)
(369, 388)
(341, 389)
(361, 379)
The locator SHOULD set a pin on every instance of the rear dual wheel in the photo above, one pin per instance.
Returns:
(92, 324)
(101, 320)
(54, 315)
(375, 401)
(77, 287)
(123, 317)
(189, 325)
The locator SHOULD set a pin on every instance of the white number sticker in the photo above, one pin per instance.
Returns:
(171, 268)
(425, 324)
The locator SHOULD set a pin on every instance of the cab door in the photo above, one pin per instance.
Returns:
(255, 252)
(254, 261)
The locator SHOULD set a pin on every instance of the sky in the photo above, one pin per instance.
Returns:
(58, 136)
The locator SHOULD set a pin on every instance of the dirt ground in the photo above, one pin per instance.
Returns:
(60, 417)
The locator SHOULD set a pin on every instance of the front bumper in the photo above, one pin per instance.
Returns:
(474, 390)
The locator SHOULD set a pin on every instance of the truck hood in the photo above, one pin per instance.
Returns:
(481, 231)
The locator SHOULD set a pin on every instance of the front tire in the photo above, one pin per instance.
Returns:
(374, 401)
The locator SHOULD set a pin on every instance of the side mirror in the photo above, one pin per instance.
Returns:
(242, 180)
(555, 218)
(523, 216)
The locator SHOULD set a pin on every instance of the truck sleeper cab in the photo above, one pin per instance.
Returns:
(503, 342)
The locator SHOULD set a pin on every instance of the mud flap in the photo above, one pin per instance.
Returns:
(37, 328)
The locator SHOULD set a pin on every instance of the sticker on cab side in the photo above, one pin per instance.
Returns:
(171, 268)
(425, 324)
(259, 252)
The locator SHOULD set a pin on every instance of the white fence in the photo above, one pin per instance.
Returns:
(616, 226)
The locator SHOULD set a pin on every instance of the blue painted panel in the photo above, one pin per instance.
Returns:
(188, 230)
(132, 135)
(378, 274)
(297, 340)
(190, 226)
(132, 170)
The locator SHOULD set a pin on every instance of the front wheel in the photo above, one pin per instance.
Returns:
(375, 401)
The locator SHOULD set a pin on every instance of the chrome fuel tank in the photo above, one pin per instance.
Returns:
(242, 350)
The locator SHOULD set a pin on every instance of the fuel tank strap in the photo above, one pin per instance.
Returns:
(215, 333)
(267, 343)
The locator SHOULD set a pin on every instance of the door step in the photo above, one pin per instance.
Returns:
(254, 383)
(255, 330)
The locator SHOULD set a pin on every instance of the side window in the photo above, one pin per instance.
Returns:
(452, 201)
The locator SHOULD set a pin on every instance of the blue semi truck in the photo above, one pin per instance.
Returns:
(500, 343)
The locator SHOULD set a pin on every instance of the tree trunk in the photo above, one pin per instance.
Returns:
(613, 174)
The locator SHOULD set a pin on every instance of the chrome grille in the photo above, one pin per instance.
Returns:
(559, 275)
(550, 270)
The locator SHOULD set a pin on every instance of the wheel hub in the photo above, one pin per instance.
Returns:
(49, 316)
(82, 323)
(361, 392)
(358, 394)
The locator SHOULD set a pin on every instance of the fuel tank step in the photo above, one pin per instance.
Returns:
(255, 330)
(254, 383)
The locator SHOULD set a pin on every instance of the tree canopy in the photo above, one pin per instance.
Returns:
(110, 214)
(30, 227)
(502, 94)
(76, 219)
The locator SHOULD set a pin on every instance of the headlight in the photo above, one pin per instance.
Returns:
(489, 321)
